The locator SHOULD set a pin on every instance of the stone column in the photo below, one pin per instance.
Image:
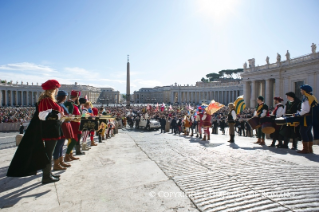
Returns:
(268, 93)
(6, 98)
(17, 102)
(187, 96)
(277, 87)
(179, 97)
(27, 103)
(246, 89)
(11, 98)
(253, 94)
(23, 98)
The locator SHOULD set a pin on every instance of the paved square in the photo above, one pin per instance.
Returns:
(149, 171)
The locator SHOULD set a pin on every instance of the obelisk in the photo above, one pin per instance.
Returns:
(128, 98)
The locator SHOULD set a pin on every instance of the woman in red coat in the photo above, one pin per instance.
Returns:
(50, 114)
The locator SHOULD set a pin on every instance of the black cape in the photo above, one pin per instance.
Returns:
(30, 155)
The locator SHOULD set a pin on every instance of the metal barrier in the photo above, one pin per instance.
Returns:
(7, 127)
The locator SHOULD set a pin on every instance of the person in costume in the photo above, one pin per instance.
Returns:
(86, 111)
(231, 122)
(261, 112)
(82, 101)
(95, 113)
(278, 112)
(192, 120)
(206, 119)
(72, 106)
(37, 145)
(199, 122)
(306, 114)
(187, 124)
(291, 130)
(67, 133)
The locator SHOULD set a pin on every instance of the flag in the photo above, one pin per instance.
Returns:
(170, 108)
(239, 104)
(213, 107)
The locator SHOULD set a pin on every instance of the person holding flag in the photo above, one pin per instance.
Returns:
(231, 122)
(199, 122)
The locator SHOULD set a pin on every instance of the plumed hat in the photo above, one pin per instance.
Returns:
(75, 93)
(306, 88)
(62, 93)
(291, 94)
(50, 84)
(82, 101)
(278, 99)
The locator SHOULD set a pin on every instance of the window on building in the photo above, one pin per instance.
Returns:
(297, 89)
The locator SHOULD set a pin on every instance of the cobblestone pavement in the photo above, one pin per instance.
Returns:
(7, 139)
(244, 176)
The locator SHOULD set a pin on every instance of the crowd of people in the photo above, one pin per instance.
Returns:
(58, 118)
(16, 114)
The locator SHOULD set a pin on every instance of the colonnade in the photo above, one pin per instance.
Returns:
(268, 88)
(221, 96)
(18, 97)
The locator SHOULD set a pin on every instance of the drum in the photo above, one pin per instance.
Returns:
(280, 121)
(89, 124)
(254, 122)
(268, 127)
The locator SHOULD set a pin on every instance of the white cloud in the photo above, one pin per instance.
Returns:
(69, 75)
(25, 66)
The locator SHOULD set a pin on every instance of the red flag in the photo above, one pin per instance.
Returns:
(213, 107)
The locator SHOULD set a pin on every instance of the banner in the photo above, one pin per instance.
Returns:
(239, 104)
(213, 107)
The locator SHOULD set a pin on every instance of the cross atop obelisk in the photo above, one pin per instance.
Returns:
(128, 98)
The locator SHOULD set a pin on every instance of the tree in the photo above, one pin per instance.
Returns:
(213, 76)
(204, 80)
(227, 73)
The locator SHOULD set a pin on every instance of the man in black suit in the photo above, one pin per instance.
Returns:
(173, 125)
(163, 123)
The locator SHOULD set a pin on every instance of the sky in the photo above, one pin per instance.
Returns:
(87, 41)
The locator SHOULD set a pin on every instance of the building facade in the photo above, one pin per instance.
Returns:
(269, 80)
(278, 78)
(109, 95)
(201, 92)
(27, 94)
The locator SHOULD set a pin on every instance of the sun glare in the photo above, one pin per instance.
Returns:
(216, 9)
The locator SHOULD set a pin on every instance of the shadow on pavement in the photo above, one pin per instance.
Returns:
(12, 198)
